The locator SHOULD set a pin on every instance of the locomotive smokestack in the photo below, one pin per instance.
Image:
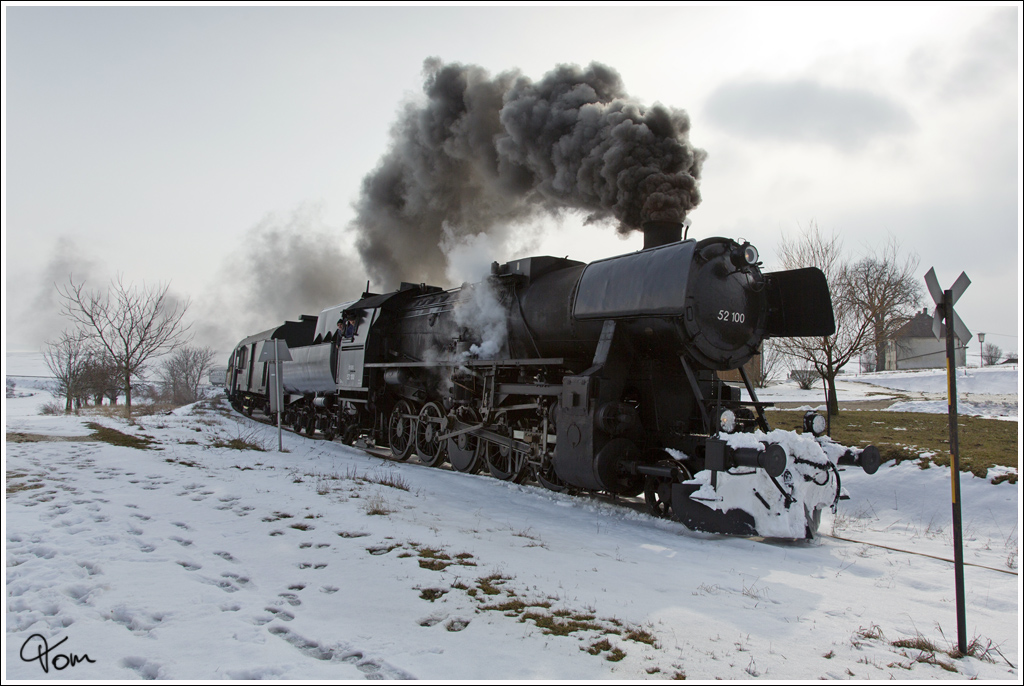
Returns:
(661, 233)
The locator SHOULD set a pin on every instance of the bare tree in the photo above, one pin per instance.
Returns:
(183, 372)
(773, 357)
(66, 358)
(131, 325)
(885, 287)
(828, 354)
(991, 353)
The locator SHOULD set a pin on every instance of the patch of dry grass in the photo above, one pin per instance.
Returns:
(115, 437)
(899, 436)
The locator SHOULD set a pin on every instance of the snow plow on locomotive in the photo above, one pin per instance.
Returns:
(590, 377)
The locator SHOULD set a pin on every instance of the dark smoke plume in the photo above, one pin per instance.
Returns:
(483, 154)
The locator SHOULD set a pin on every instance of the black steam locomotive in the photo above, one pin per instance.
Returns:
(597, 377)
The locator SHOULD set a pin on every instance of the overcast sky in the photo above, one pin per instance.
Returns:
(186, 145)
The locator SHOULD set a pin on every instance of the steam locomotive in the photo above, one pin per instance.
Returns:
(600, 377)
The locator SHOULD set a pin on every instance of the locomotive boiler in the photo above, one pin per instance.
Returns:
(599, 377)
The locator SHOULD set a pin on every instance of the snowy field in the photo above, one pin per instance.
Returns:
(987, 392)
(199, 562)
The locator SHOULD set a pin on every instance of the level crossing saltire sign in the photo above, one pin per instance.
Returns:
(945, 324)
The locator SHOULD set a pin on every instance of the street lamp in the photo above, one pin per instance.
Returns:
(981, 346)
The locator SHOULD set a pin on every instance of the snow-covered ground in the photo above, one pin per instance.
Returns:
(323, 562)
(988, 392)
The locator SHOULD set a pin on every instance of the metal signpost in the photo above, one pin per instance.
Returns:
(276, 350)
(944, 301)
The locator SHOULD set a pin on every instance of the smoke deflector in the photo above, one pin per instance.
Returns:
(799, 304)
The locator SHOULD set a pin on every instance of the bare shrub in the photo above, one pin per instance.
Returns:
(377, 505)
(804, 378)
(991, 354)
(245, 439)
(51, 408)
(389, 479)
(182, 374)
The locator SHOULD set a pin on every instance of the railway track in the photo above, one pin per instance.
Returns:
(637, 504)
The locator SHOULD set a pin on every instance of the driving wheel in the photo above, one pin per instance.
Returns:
(428, 429)
(401, 430)
(464, 449)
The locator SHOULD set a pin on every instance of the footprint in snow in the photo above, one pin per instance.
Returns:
(283, 615)
(291, 599)
(432, 620)
(139, 623)
(144, 668)
(456, 624)
(91, 568)
(222, 584)
(80, 593)
(372, 668)
(240, 580)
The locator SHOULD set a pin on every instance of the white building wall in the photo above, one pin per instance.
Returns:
(921, 353)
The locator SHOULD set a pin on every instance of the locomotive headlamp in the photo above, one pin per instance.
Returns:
(727, 421)
(744, 255)
(814, 423)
